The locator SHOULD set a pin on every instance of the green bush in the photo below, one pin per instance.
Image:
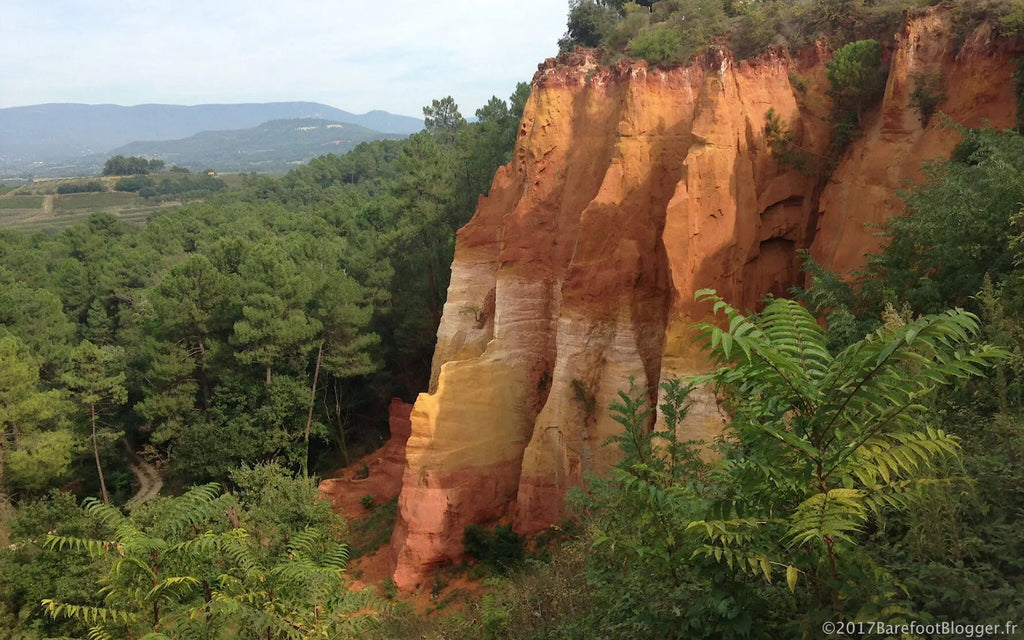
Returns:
(630, 27)
(388, 588)
(186, 567)
(134, 183)
(29, 572)
(781, 144)
(373, 531)
(754, 30)
(659, 47)
(855, 75)
(927, 95)
(85, 187)
(499, 549)
(856, 81)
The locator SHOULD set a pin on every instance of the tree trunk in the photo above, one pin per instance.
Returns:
(268, 375)
(204, 381)
(96, 453)
(312, 403)
(341, 422)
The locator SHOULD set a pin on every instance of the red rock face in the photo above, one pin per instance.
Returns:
(977, 80)
(630, 189)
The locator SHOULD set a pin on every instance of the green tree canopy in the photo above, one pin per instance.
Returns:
(442, 117)
(32, 446)
(133, 165)
(97, 385)
(826, 442)
(185, 567)
(856, 80)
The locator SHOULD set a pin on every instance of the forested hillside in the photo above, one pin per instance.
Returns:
(274, 324)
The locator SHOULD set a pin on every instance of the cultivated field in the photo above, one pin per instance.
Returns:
(38, 207)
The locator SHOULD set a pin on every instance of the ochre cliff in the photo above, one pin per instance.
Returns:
(630, 189)
(977, 80)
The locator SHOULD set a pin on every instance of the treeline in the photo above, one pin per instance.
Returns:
(93, 186)
(671, 32)
(130, 166)
(179, 186)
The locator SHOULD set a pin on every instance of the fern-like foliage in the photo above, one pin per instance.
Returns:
(820, 442)
(190, 571)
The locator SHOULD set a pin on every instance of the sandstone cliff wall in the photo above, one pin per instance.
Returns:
(977, 80)
(629, 190)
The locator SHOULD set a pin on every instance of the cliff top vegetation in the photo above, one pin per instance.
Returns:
(671, 32)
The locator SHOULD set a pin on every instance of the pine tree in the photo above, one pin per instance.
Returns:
(96, 385)
(24, 410)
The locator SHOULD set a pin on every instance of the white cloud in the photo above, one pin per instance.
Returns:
(356, 56)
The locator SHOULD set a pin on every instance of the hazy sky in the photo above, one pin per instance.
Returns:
(357, 56)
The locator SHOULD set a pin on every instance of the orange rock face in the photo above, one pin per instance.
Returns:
(977, 80)
(629, 190)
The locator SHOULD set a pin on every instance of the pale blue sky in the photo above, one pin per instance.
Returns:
(396, 56)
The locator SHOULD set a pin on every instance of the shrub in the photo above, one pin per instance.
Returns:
(29, 572)
(856, 80)
(780, 142)
(927, 95)
(754, 32)
(134, 183)
(631, 26)
(388, 588)
(855, 75)
(374, 530)
(798, 82)
(368, 502)
(659, 47)
(499, 549)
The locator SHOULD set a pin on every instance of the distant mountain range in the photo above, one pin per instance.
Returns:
(53, 134)
(271, 146)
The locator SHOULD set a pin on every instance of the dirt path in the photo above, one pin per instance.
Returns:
(150, 482)
(48, 204)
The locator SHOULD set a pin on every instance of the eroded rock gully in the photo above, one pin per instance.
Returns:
(629, 190)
